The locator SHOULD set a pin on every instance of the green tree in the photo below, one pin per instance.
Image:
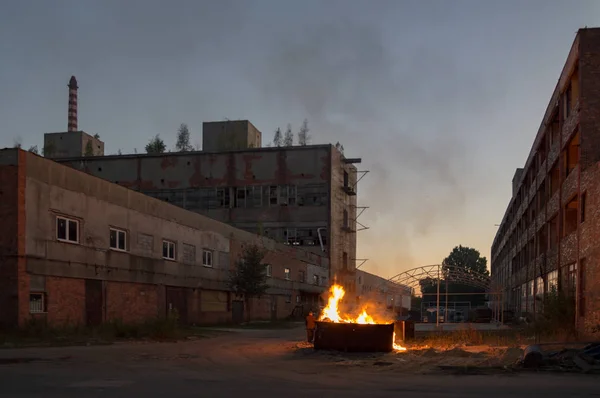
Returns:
(249, 277)
(156, 145)
(468, 259)
(278, 139)
(183, 139)
(303, 137)
(89, 149)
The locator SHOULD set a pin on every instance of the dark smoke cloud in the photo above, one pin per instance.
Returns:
(398, 111)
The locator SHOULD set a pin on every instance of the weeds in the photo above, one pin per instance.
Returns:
(36, 332)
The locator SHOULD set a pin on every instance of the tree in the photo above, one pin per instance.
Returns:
(277, 139)
(183, 139)
(339, 147)
(89, 149)
(156, 145)
(97, 136)
(17, 143)
(33, 149)
(249, 277)
(288, 137)
(467, 258)
(119, 152)
(303, 137)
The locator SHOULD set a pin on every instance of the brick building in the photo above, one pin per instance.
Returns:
(383, 292)
(81, 250)
(304, 196)
(549, 236)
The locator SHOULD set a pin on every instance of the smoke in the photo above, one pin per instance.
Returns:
(397, 111)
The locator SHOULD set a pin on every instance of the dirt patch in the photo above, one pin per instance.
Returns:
(421, 360)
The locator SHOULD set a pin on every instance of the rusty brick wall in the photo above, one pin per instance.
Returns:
(590, 179)
(131, 302)
(65, 301)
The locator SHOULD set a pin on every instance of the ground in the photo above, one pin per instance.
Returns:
(262, 363)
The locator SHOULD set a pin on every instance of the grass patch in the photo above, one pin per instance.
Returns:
(472, 336)
(37, 333)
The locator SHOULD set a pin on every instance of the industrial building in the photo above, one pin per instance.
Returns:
(77, 249)
(304, 196)
(549, 235)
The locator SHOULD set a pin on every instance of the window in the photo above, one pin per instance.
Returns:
(346, 219)
(286, 273)
(567, 99)
(223, 198)
(316, 280)
(269, 269)
(571, 154)
(298, 299)
(345, 179)
(207, 258)
(240, 196)
(552, 281)
(273, 195)
(37, 303)
(118, 239)
(288, 298)
(67, 230)
(301, 276)
(168, 250)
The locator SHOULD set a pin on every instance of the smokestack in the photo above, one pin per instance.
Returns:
(72, 125)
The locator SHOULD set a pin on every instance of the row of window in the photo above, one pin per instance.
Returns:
(67, 230)
(569, 157)
(250, 196)
(287, 275)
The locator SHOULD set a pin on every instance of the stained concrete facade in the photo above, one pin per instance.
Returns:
(230, 135)
(79, 249)
(72, 144)
(375, 290)
(549, 235)
(302, 196)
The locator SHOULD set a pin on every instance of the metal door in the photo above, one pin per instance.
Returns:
(93, 302)
(177, 303)
(237, 311)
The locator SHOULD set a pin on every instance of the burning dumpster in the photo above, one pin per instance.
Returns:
(354, 337)
(352, 333)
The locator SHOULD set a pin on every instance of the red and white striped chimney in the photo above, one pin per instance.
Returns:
(72, 125)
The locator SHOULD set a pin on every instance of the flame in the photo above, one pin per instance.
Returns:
(331, 313)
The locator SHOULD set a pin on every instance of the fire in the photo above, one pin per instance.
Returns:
(331, 313)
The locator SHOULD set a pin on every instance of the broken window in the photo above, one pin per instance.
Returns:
(291, 195)
(542, 241)
(37, 302)
(567, 100)
(290, 235)
(223, 197)
(301, 277)
(311, 195)
(571, 154)
(207, 258)
(273, 195)
(346, 225)
(345, 179)
(241, 193)
(286, 273)
(570, 214)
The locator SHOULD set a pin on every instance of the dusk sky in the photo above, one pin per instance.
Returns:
(440, 99)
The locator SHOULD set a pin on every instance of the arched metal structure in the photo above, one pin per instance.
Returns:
(452, 274)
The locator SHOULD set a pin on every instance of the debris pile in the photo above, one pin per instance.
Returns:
(584, 360)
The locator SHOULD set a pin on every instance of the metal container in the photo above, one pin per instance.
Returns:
(353, 337)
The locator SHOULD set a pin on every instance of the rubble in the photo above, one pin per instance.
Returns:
(583, 360)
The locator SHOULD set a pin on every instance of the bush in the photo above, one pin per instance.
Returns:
(557, 316)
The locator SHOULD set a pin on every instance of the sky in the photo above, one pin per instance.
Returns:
(440, 99)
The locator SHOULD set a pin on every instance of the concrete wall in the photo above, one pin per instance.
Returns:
(71, 144)
(230, 135)
(139, 274)
(342, 235)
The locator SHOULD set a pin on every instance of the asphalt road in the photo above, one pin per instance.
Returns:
(249, 364)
